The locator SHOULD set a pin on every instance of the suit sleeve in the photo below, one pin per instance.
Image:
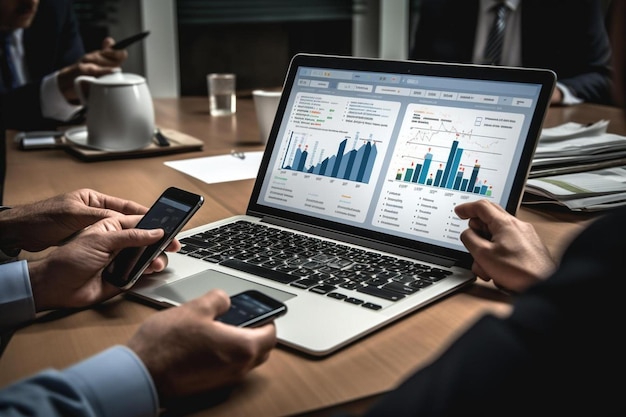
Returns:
(557, 353)
(52, 42)
(111, 384)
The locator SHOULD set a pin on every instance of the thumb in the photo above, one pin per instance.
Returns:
(135, 237)
(108, 42)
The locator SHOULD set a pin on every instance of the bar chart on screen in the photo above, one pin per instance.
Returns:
(443, 157)
(352, 162)
(464, 150)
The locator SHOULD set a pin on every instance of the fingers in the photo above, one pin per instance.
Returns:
(482, 209)
(475, 242)
(118, 204)
(212, 304)
(108, 42)
(134, 237)
(485, 216)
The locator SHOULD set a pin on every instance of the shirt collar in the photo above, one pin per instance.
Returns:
(487, 5)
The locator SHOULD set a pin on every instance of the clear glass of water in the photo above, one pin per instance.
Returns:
(222, 100)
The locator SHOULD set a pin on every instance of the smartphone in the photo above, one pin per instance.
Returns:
(125, 43)
(251, 309)
(170, 212)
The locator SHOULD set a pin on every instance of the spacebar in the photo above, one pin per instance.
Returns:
(259, 271)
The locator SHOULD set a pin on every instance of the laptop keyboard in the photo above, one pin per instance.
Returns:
(309, 263)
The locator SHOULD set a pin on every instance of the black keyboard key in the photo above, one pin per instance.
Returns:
(258, 270)
(304, 283)
(323, 289)
(337, 295)
(400, 288)
(380, 292)
(372, 306)
(353, 300)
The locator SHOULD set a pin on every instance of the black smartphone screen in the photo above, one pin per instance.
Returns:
(170, 212)
(252, 308)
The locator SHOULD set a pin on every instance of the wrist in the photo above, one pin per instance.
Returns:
(9, 244)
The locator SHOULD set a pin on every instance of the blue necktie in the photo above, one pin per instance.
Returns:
(9, 74)
(493, 50)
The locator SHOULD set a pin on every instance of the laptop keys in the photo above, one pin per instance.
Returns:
(310, 263)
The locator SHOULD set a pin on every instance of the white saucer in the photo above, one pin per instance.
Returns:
(78, 136)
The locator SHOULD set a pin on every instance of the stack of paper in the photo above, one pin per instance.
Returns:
(581, 167)
(582, 191)
(574, 147)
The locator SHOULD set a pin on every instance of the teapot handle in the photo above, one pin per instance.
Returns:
(77, 86)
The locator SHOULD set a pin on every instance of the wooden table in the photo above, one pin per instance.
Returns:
(289, 383)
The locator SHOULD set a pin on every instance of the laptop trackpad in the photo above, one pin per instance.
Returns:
(194, 286)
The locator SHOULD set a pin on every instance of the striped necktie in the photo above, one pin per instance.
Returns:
(493, 50)
(9, 74)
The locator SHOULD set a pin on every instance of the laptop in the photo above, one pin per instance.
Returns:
(351, 219)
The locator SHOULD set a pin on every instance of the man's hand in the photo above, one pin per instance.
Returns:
(37, 226)
(96, 64)
(505, 249)
(70, 276)
(187, 351)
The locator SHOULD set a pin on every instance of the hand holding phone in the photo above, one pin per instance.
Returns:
(252, 309)
(170, 212)
(125, 43)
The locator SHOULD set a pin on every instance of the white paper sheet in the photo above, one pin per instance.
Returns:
(221, 168)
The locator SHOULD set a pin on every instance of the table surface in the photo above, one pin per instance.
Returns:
(288, 383)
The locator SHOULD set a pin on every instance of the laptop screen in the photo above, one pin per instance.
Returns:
(386, 149)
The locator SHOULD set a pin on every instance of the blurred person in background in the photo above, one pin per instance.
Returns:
(569, 38)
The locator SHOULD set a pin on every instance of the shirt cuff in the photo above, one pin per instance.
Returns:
(53, 103)
(116, 383)
(16, 296)
(568, 97)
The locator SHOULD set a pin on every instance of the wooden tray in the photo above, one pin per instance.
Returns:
(179, 142)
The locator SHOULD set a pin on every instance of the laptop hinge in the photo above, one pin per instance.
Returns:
(368, 243)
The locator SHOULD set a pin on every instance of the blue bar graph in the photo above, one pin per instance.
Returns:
(450, 175)
(353, 165)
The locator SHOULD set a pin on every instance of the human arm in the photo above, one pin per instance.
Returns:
(560, 350)
(113, 383)
(16, 298)
(45, 223)
(575, 45)
(176, 353)
(505, 249)
(187, 351)
(96, 63)
(69, 276)
(52, 42)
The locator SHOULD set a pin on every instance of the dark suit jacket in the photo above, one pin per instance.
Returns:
(560, 353)
(569, 38)
(52, 42)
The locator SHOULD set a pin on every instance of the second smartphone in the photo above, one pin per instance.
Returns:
(170, 212)
(251, 309)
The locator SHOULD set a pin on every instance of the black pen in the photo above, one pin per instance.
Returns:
(124, 43)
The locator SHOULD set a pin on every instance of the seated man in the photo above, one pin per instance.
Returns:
(46, 54)
(570, 39)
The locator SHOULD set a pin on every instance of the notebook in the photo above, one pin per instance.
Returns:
(365, 163)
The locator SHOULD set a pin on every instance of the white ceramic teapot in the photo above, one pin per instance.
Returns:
(120, 113)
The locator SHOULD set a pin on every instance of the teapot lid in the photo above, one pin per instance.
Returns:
(120, 78)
